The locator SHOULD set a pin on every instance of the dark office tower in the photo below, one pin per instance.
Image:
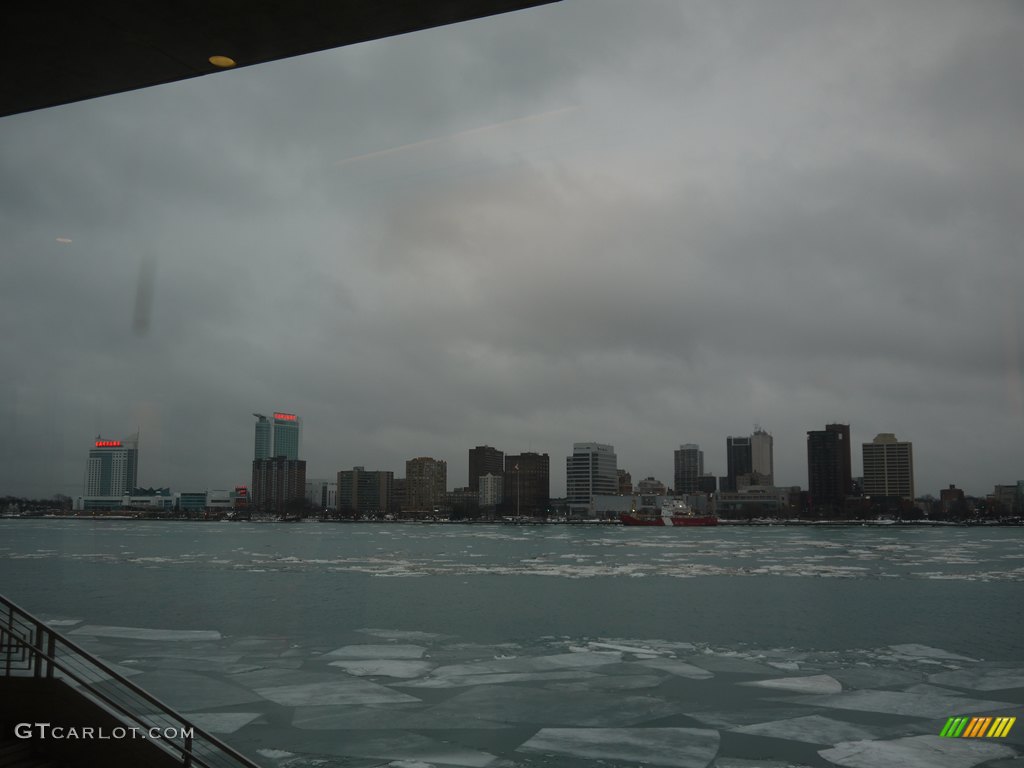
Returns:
(364, 492)
(625, 483)
(526, 484)
(689, 466)
(739, 459)
(426, 482)
(278, 484)
(484, 460)
(828, 467)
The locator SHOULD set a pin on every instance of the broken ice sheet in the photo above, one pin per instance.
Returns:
(193, 691)
(410, 746)
(402, 634)
(515, 704)
(678, 668)
(381, 717)
(221, 722)
(377, 652)
(341, 691)
(611, 683)
(384, 667)
(990, 679)
(739, 762)
(673, 747)
(918, 651)
(813, 684)
(916, 752)
(813, 729)
(909, 704)
(140, 633)
(557, 666)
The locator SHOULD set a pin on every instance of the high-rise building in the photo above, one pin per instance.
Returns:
(113, 467)
(526, 483)
(484, 460)
(888, 467)
(739, 460)
(590, 471)
(829, 480)
(279, 437)
(490, 493)
(762, 460)
(264, 439)
(689, 466)
(426, 481)
(287, 431)
(365, 492)
(625, 483)
(278, 484)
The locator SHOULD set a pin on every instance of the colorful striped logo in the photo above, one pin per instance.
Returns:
(977, 727)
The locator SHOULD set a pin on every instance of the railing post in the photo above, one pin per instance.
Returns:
(51, 645)
(37, 647)
(8, 642)
(186, 757)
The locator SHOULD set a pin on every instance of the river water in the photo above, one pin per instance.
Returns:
(410, 646)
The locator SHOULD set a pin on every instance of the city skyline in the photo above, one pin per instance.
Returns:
(645, 226)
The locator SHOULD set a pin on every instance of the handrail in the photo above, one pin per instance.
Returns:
(40, 656)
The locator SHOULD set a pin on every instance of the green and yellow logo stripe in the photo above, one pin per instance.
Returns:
(977, 727)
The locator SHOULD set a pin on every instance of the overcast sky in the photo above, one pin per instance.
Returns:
(644, 224)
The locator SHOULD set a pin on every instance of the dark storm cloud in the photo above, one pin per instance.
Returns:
(644, 224)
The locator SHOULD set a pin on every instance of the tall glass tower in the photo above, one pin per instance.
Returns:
(287, 430)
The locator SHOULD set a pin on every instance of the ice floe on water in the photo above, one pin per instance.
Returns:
(812, 684)
(384, 667)
(341, 691)
(918, 651)
(221, 722)
(902, 703)
(140, 633)
(916, 752)
(812, 729)
(981, 679)
(377, 652)
(517, 669)
(673, 747)
(584, 709)
(677, 668)
(401, 634)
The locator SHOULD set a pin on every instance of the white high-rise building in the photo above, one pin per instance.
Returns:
(888, 467)
(491, 493)
(761, 455)
(113, 467)
(592, 470)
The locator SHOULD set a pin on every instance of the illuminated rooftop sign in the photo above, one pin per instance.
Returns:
(286, 417)
(108, 443)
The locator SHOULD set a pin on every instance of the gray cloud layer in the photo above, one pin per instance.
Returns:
(645, 224)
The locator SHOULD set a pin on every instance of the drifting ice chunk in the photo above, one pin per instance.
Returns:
(677, 668)
(188, 690)
(916, 752)
(813, 684)
(918, 651)
(863, 677)
(412, 747)
(222, 722)
(401, 634)
(139, 633)
(739, 762)
(466, 681)
(909, 704)
(377, 652)
(624, 648)
(588, 709)
(516, 669)
(813, 729)
(384, 717)
(344, 691)
(673, 747)
(384, 667)
(981, 679)
(611, 683)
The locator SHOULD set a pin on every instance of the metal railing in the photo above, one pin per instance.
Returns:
(28, 648)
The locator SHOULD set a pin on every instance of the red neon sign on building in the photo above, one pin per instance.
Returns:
(108, 443)
(285, 416)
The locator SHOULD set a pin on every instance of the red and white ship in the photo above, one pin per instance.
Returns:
(672, 512)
